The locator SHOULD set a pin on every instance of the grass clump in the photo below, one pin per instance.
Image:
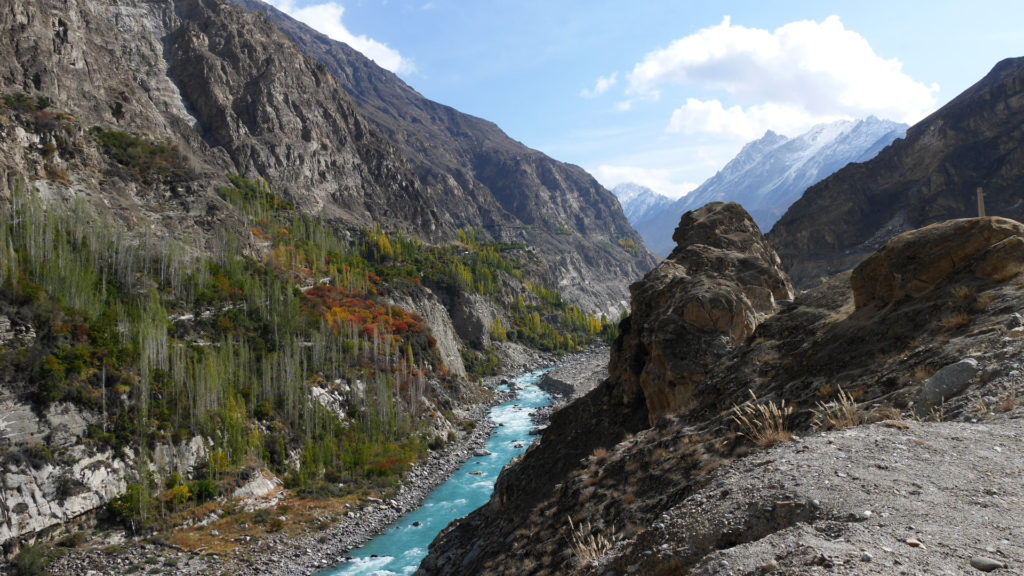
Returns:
(764, 423)
(837, 414)
(587, 546)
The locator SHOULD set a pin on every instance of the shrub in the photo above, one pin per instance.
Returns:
(147, 160)
(203, 490)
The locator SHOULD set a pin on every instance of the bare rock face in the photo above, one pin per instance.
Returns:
(437, 317)
(928, 177)
(935, 335)
(474, 175)
(920, 261)
(709, 296)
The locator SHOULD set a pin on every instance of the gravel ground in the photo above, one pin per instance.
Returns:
(894, 498)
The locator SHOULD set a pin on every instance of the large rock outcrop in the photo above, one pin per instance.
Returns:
(707, 297)
(688, 313)
(930, 176)
(935, 334)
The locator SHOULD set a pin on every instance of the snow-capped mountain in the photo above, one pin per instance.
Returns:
(771, 173)
(639, 202)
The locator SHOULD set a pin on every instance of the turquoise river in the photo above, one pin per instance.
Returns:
(400, 550)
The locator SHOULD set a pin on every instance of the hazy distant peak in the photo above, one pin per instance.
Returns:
(639, 201)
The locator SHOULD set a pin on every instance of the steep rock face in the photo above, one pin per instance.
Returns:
(441, 327)
(687, 313)
(930, 176)
(478, 177)
(280, 116)
(637, 486)
(771, 173)
(707, 297)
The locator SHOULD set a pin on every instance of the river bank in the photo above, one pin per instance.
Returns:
(299, 549)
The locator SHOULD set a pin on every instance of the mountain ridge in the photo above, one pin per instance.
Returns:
(929, 176)
(522, 195)
(770, 173)
(638, 201)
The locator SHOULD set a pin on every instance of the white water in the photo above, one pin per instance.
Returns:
(400, 550)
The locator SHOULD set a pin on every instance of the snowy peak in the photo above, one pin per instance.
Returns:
(638, 201)
(772, 172)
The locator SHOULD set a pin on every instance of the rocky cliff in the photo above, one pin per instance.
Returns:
(930, 176)
(926, 328)
(478, 177)
(339, 137)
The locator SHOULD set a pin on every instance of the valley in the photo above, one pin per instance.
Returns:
(262, 302)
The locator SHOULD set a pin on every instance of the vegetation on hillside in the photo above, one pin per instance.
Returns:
(166, 344)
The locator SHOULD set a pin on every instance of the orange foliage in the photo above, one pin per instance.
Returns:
(341, 309)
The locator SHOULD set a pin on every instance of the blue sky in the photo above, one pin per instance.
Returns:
(665, 93)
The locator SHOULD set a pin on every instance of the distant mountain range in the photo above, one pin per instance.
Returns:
(639, 202)
(771, 173)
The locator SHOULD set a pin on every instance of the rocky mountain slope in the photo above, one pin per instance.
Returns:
(930, 176)
(771, 173)
(638, 202)
(212, 263)
(478, 177)
(642, 476)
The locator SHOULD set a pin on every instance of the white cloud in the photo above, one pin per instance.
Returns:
(802, 73)
(711, 117)
(660, 180)
(326, 18)
(604, 83)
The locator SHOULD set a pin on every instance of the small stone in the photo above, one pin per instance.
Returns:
(865, 557)
(214, 533)
(913, 542)
(986, 564)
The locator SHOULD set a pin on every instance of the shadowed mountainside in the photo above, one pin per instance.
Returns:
(930, 176)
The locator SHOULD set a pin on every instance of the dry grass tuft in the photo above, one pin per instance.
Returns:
(600, 455)
(963, 293)
(587, 547)
(983, 302)
(923, 372)
(763, 423)
(1008, 401)
(837, 414)
(885, 414)
(955, 321)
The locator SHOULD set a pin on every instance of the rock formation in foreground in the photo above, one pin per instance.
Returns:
(930, 176)
(927, 328)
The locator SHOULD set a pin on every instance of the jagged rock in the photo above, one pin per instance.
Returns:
(182, 459)
(260, 484)
(473, 315)
(601, 462)
(708, 296)
(66, 423)
(437, 317)
(35, 499)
